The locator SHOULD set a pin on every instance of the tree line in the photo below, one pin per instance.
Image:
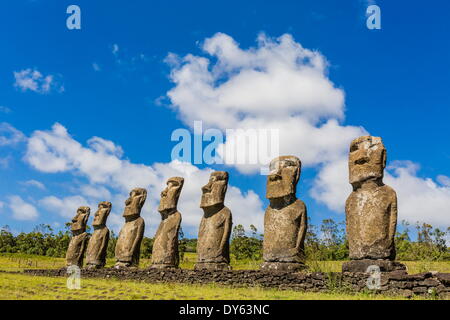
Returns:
(324, 242)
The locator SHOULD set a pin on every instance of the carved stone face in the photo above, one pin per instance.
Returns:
(80, 220)
(283, 177)
(170, 195)
(367, 159)
(214, 191)
(102, 213)
(135, 202)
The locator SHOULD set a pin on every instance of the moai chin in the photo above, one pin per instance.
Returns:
(130, 237)
(98, 243)
(285, 220)
(371, 209)
(78, 242)
(213, 250)
(165, 245)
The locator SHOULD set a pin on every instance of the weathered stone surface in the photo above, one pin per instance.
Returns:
(165, 245)
(363, 265)
(78, 242)
(130, 237)
(285, 220)
(371, 209)
(98, 243)
(215, 228)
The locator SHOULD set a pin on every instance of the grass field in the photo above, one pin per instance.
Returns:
(18, 286)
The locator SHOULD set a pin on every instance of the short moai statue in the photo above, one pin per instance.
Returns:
(80, 238)
(128, 244)
(98, 243)
(213, 249)
(285, 220)
(371, 209)
(165, 245)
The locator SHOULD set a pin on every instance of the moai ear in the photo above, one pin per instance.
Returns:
(384, 157)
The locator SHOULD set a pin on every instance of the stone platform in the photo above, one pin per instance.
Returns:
(397, 282)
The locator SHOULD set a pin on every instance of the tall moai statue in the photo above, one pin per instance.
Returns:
(285, 220)
(165, 245)
(213, 249)
(98, 243)
(371, 209)
(79, 241)
(128, 244)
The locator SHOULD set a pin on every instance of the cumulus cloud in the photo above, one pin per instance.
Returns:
(279, 84)
(419, 199)
(34, 183)
(276, 79)
(4, 109)
(66, 207)
(22, 210)
(34, 80)
(111, 177)
(9, 135)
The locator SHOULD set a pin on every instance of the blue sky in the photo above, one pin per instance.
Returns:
(113, 80)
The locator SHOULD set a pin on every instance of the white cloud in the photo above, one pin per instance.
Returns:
(277, 79)
(419, 199)
(34, 80)
(34, 183)
(65, 207)
(22, 210)
(115, 49)
(281, 85)
(111, 178)
(95, 66)
(443, 180)
(276, 85)
(4, 109)
(10, 135)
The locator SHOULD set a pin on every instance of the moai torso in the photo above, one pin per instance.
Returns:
(285, 220)
(165, 245)
(78, 242)
(215, 227)
(130, 237)
(98, 243)
(282, 230)
(213, 237)
(371, 209)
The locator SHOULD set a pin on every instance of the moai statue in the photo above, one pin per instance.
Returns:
(371, 209)
(165, 245)
(213, 249)
(285, 220)
(98, 243)
(128, 244)
(80, 238)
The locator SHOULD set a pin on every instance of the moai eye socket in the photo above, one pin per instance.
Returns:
(354, 147)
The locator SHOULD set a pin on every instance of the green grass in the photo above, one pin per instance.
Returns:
(20, 262)
(18, 286)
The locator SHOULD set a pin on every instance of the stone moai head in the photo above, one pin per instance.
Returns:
(80, 220)
(170, 195)
(367, 160)
(102, 213)
(135, 202)
(214, 191)
(283, 177)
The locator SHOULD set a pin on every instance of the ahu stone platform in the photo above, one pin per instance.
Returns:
(397, 282)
